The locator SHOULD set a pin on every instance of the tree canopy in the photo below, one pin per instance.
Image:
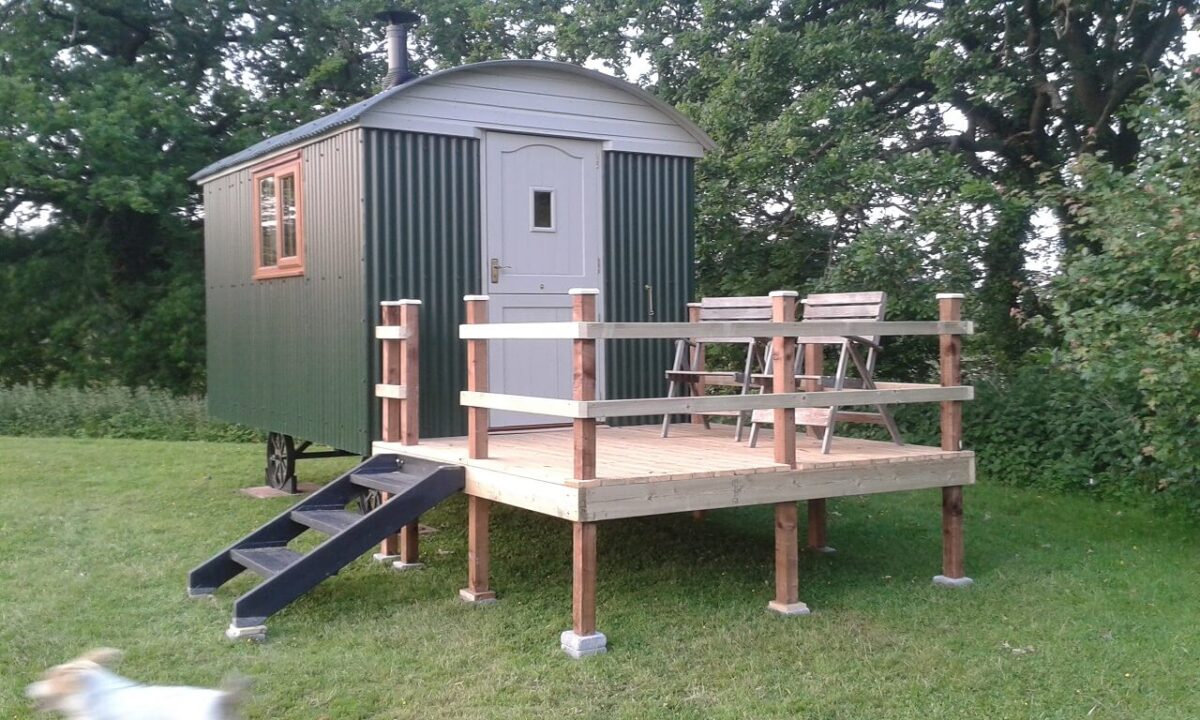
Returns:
(905, 146)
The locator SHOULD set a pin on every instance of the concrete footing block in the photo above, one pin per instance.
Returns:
(824, 550)
(581, 646)
(256, 633)
(200, 593)
(484, 597)
(950, 582)
(796, 608)
(401, 566)
(383, 558)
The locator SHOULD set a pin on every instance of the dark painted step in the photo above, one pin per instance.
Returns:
(389, 482)
(330, 522)
(267, 561)
(415, 486)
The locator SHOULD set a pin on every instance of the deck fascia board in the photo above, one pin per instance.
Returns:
(550, 490)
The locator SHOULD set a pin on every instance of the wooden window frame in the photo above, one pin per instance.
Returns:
(285, 266)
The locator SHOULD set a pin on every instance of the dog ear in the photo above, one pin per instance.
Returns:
(104, 657)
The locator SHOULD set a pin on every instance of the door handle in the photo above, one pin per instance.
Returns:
(650, 300)
(496, 268)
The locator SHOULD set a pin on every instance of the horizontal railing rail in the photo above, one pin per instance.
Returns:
(711, 403)
(709, 330)
(583, 409)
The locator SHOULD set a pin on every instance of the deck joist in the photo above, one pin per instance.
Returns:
(640, 473)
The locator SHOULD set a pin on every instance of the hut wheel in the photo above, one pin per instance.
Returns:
(281, 462)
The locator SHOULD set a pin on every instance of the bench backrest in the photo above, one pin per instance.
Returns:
(843, 306)
(754, 308)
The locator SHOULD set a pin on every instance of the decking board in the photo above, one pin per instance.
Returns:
(640, 473)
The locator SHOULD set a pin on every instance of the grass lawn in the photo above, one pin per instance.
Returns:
(1080, 609)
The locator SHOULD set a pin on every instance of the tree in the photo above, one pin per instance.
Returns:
(820, 107)
(109, 107)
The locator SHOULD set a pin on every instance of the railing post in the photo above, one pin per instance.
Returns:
(698, 359)
(583, 309)
(950, 361)
(410, 372)
(477, 378)
(814, 366)
(400, 365)
(783, 309)
(787, 550)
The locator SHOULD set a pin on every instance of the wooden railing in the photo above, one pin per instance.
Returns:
(584, 409)
(399, 388)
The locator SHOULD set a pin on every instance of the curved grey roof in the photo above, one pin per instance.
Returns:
(353, 113)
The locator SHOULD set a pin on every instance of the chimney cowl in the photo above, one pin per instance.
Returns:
(399, 21)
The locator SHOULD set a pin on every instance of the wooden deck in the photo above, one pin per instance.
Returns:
(640, 473)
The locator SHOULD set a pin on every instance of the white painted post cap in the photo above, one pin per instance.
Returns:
(475, 298)
(583, 291)
(396, 303)
(950, 296)
(784, 293)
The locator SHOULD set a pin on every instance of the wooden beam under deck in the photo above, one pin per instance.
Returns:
(640, 473)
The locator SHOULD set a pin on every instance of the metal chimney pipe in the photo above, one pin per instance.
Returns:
(399, 21)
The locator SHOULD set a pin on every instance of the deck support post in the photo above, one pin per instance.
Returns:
(583, 354)
(582, 639)
(698, 362)
(479, 552)
(477, 378)
(787, 563)
(814, 367)
(401, 365)
(818, 526)
(950, 360)
(783, 380)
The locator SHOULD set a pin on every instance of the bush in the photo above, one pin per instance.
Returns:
(1127, 301)
(111, 412)
(1044, 426)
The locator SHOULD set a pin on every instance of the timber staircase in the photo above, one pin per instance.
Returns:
(413, 486)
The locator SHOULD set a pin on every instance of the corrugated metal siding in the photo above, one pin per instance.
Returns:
(649, 242)
(423, 238)
(290, 355)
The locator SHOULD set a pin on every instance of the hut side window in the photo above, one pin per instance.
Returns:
(278, 232)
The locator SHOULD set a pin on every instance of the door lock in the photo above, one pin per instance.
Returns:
(496, 268)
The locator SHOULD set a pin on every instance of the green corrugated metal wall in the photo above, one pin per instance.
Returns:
(649, 244)
(423, 237)
(296, 356)
(289, 354)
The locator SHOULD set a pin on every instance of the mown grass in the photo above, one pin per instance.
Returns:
(111, 412)
(1081, 609)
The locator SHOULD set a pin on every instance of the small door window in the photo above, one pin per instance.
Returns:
(541, 204)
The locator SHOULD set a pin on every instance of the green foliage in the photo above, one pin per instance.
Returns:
(1130, 310)
(109, 107)
(111, 412)
(1045, 426)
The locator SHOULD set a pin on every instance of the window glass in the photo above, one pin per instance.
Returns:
(287, 214)
(543, 209)
(267, 221)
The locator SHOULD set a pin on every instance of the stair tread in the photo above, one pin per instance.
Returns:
(328, 521)
(266, 561)
(392, 482)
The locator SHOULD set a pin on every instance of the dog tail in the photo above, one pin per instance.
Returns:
(234, 688)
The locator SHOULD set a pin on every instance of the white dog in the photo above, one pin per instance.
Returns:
(85, 689)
